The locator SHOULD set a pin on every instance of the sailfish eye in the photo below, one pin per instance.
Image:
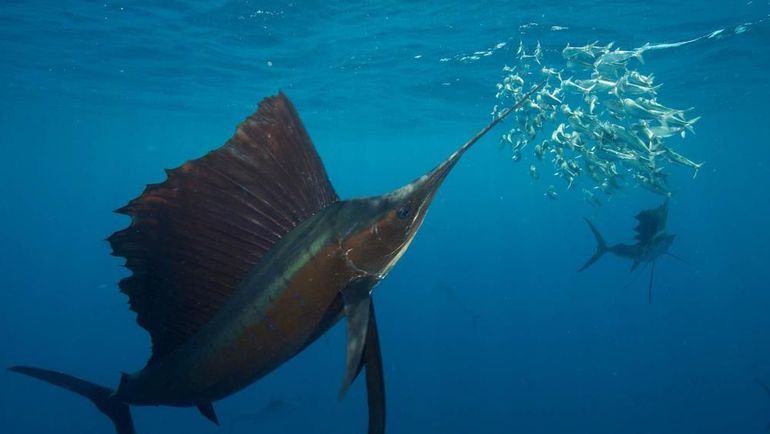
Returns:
(403, 212)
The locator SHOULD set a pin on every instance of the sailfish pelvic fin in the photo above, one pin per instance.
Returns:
(207, 410)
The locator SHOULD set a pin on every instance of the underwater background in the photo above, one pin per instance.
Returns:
(485, 324)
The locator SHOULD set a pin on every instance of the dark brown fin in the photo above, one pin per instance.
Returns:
(375, 379)
(364, 350)
(601, 246)
(652, 222)
(357, 309)
(194, 236)
(207, 410)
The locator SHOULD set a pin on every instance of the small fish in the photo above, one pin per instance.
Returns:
(678, 121)
(568, 170)
(610, 69)
(559, 135)
(653, 181)
(658, 109)
(586, 55)
(550, 72)
(598, 84)
(533, 106)
(634, 77)
(591, 197)
(574, 167)
(596, 170)
(550, 99)
(591, 100)
(637, 109)
(609, 185)
(520, 144)
(574, 85)
(507, 138)
(582, 123)
(575, 141)
(514, 79)
(541, 149)
(533, 172)
(643, 130)
(615, 108)
(618, 155)
(626, 88)
(551, 193)
(680, 159)
(627, 139)
(664, 131)
(537, 54)
(621, 56)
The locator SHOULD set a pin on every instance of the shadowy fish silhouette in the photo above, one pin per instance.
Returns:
(244, 257)
(652, 242)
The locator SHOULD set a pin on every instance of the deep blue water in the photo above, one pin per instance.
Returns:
(485, 325)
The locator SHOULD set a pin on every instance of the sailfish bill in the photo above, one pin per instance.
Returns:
(244, 257)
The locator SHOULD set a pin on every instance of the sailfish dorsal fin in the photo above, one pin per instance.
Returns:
(194, 236)
(652, 222)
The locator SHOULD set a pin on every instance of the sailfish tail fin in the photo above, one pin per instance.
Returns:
(102, 397)
(601, 247)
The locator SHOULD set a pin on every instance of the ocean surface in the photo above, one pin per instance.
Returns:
(486, 326)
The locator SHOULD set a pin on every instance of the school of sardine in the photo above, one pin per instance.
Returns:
(608, 127)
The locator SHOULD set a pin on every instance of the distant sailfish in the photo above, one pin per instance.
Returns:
(244, 257)
(652, 242)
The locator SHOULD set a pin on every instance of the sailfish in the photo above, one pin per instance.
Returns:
(244, 257)
(652, 242)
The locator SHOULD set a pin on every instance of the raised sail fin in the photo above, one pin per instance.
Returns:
(652, 222)
(194, 236)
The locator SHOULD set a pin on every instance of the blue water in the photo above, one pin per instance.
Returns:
(485, 325)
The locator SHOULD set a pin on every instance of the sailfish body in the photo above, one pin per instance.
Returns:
(242, 258)
(652, 241)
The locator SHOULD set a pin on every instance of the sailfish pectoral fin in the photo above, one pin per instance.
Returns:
(363, 349)
(375, 379)
(357, 309)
